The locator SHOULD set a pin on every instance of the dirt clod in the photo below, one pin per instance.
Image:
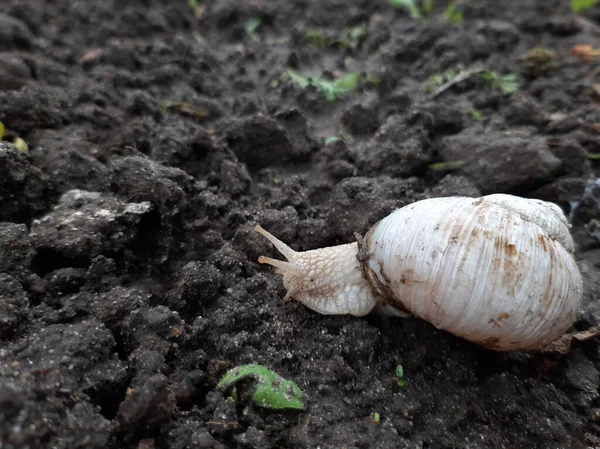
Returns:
(503, 161)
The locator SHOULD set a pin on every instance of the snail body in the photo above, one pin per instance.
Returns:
(498, 270)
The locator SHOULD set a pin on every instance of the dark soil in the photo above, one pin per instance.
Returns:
(159, 136)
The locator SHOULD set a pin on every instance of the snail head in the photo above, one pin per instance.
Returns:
(326, 280)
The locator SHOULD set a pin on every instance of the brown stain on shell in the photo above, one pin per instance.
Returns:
(385, 288)
(542, 241)
(406, 278)
(510, 249)
(506, 254)
(490, 343)
(556, 263)
(498, 320)
(382, 287)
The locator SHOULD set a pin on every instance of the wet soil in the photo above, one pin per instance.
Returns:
(160, 134)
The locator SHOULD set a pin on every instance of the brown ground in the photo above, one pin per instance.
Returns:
(123, 301)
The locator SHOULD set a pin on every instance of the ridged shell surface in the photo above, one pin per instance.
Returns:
(546, 215)
(496, 273)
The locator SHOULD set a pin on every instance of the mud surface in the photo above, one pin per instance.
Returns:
(159, 135)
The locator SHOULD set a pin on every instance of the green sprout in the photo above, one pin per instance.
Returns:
(506, 84)
(348, 138)
(439, 82)
(331, 139)
(453, 15)
(439, 79)
(333, 89)
(195, 5)
(315, 37)
(267, 389)
(340, 136)
(17, 142)
(302, 81)
(427, 7)
(375, 417)
(20, 145)
(582, 5)
(252, 27)
(352, 36)
(446, 165)
(594, 156)
(409, 5)
(412, 8)
(475, 114)
(400, 376)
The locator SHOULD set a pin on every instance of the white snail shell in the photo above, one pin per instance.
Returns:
(498, 270)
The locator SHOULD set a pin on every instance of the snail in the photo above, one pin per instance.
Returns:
(498, 270)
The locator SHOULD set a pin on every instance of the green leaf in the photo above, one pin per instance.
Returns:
(582, 5)
(409, 5)
(346, 137)
(475, 114)
(594, 156)
(20, 145)
(269, 389)
(427, 7)
(400, 375)
(302, 81)
(1, 130)
(331, 139)
(252, 27)
(330, 89)
(453, 15)
(506, 84)
(195, 5)
(351, 36)
(348, 83)
(376, 417)
(315, 37)
(439, 79)
(489, 77)
(509, 84)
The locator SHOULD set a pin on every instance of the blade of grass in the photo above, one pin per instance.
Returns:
(446, 165)
(409, 5)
